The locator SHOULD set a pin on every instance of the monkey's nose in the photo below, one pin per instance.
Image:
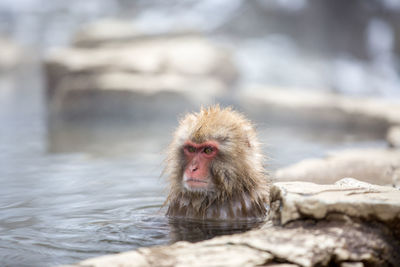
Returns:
(194, 168)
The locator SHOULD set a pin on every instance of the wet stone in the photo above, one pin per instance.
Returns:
(349, 223)
(347, 196)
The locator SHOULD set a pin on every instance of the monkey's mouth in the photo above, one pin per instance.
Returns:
(195, 183)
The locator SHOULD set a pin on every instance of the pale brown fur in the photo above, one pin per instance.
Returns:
(240, 182)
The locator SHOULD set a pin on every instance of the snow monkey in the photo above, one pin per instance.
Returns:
(215, 168)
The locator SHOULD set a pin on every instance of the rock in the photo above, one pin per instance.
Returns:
(187, 55)
(396, 178)
(393, 136)
(309, 244)
(347, 196)
(137, 96)
(350, 223)
(123, 32)
(378, 166)
(190, 70)
(320, 106)
(11, 55)
(103, 31)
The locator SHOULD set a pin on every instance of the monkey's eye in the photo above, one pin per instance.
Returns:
(191, 149)
(208, 150)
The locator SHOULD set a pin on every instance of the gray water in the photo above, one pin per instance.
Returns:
(77, 192)
(64, 207)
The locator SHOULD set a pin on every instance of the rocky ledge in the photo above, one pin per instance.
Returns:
(349, 223)
(316, 105)
(159, 74)
(373, 165)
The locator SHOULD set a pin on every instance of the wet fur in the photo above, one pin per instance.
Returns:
(240, 188)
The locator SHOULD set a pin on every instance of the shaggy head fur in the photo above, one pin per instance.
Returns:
(239, 182)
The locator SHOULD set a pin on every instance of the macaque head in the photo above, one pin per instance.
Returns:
(215, 153)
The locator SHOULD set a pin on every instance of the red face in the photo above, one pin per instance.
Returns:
(197, 171)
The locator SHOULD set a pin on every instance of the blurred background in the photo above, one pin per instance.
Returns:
(91, 91)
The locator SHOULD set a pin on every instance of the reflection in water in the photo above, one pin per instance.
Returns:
(197, 230)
